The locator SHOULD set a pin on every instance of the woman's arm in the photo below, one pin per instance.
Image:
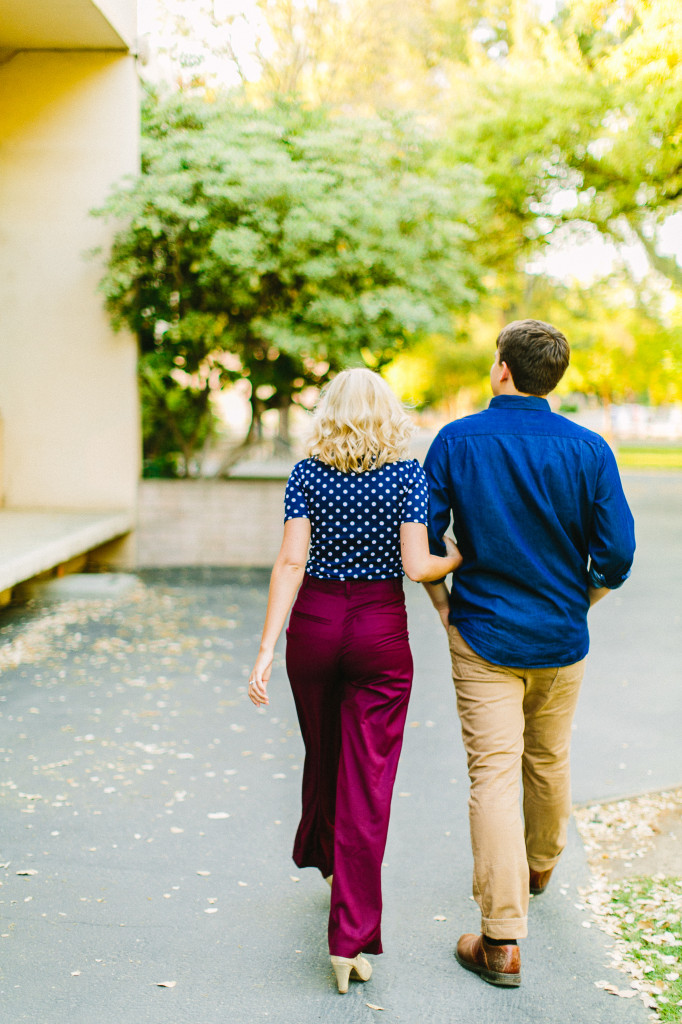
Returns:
(287, 574)
(418, 562)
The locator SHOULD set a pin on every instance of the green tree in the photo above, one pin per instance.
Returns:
(580, 125)
(279, 246)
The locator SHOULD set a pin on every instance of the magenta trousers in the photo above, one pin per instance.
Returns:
(350, 667)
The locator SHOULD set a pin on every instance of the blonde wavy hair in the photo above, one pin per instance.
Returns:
(359, 424)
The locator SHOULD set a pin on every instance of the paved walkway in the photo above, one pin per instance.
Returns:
(148, 813)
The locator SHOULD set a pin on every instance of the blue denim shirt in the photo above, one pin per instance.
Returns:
(539, 514)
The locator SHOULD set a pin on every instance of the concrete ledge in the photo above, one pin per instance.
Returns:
(34, 542)
(209, 522)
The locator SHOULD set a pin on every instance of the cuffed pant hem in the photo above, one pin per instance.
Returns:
(544, 865)
(505, 928)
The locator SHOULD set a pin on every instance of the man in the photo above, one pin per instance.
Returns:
(539, 515)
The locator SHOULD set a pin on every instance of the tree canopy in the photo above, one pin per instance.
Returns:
(382, 165)
(280, 246)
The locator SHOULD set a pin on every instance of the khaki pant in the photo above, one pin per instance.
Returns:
(516, 723)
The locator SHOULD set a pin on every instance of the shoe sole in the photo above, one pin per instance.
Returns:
(492, 977)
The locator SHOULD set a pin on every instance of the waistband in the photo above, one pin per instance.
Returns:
(357, 586)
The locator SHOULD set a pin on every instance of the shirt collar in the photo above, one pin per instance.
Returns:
(520, 402)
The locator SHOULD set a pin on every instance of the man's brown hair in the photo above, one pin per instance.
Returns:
(536, 353)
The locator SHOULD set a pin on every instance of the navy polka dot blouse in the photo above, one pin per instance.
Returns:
(355, 518)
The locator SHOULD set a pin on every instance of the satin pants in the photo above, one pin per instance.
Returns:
(350, 668)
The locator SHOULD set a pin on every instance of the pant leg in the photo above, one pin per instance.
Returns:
(549, 707)
(313, 655)
(377, 666)
(490, 705)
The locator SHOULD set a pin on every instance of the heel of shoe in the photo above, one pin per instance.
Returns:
(344, 965)
(362, 968)
(342, 971)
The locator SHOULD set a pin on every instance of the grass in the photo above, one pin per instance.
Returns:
(649, 456)
(646, 915)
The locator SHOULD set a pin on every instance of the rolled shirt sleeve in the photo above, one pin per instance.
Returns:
(612, 536)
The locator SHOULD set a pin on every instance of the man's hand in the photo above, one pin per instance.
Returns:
(596, 594)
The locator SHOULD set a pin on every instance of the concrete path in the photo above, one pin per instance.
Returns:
(630, 714)
(148, 814)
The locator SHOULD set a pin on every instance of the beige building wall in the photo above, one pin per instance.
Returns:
(68, 395)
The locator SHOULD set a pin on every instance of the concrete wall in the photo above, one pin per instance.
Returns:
(209, 522)
(68, 392)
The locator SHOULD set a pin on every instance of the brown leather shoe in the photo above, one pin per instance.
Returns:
(498, 965)
(539, 880)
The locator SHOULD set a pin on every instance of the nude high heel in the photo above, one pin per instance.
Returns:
(343, 966)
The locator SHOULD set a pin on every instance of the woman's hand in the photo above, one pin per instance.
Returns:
(451, 549)
(260, 677)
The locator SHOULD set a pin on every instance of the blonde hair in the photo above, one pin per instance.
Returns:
(359, 424)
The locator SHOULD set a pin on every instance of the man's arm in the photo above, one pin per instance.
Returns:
(437, 474)
(440, 599)
(612, 538)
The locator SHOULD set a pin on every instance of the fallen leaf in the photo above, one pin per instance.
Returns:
(439, 917)
(204, 874)
(373, 1006)
(166, 984)
(218, 815)
(624, 993)
(30, 871)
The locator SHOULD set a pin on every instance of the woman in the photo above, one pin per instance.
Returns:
(355, 517)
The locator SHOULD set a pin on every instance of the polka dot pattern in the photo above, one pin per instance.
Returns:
(355, 518)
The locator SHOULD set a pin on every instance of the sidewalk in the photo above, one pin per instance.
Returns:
(148, 815)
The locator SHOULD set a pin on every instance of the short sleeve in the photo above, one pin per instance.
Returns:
(416, 499)
(295, 503)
